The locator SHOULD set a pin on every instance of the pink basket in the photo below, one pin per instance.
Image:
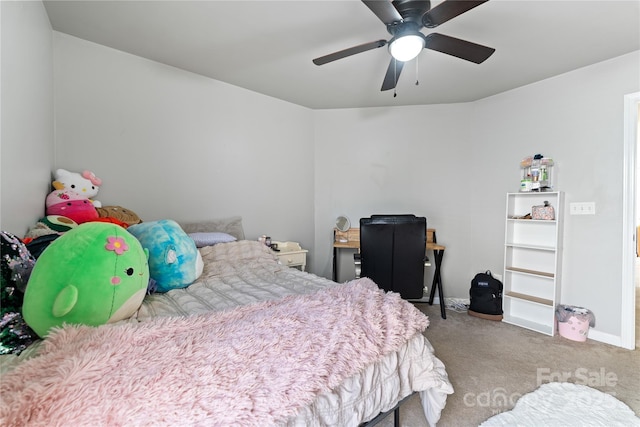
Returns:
(574, 329)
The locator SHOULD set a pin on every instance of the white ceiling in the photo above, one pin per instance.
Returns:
(267, 46)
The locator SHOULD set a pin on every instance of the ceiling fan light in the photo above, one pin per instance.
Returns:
(407, 47)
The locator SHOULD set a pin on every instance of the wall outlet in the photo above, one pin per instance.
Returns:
(582, 208)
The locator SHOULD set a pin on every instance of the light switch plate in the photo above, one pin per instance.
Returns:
(582, 208)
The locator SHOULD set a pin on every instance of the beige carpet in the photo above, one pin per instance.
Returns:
(491, 364)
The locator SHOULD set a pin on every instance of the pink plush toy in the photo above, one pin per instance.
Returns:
(72, 205)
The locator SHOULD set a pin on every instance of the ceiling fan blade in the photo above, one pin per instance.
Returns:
(393, 74)
(348, 52)
(461, 48)
(384, 10)
(447, 10)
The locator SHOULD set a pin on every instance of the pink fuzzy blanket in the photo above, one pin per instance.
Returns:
(253, 365)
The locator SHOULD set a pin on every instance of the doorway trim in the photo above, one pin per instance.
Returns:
(628, 312)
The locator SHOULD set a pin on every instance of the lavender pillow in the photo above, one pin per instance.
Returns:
(211, 238)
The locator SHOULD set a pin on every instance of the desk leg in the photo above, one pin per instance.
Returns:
(334, 273)
(437, 282)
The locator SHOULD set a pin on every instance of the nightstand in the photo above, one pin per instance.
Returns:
(291, 254)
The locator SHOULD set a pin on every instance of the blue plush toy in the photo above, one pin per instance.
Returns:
(174, 260)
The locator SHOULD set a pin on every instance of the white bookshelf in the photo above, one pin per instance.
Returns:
(532, 262)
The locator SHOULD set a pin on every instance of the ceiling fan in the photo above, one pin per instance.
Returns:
(404, 20)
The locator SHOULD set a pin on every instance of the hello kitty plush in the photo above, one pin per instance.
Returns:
(85, 184)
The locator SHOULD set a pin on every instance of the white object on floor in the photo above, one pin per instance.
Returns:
(566, 404)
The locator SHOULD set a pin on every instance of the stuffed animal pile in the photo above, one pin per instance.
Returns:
(84, 263)
(72, 202)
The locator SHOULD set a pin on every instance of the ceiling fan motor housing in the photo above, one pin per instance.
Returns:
(399, 29)
(412, 10)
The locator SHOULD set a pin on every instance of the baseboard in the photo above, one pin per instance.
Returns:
(605, 337)
(461, 304)
(425, 298)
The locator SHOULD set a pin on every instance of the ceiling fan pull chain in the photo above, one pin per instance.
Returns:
(417, 69)
(395, 76)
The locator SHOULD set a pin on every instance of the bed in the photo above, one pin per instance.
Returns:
(250, 342)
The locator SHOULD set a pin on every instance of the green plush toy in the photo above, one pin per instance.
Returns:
(94, 274)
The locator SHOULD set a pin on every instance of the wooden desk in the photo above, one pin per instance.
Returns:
(350, 239)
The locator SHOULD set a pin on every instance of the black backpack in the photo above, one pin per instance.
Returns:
(486, 294)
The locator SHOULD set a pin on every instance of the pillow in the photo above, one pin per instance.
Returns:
(231, 225)
(210, 239)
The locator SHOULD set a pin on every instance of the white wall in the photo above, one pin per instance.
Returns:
(27, 143)
(172, 144)
(578, 119)
(396, 160)
(454, 164)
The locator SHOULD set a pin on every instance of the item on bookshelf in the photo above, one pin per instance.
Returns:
(545, 211)
(536, 173)
(527, 216)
